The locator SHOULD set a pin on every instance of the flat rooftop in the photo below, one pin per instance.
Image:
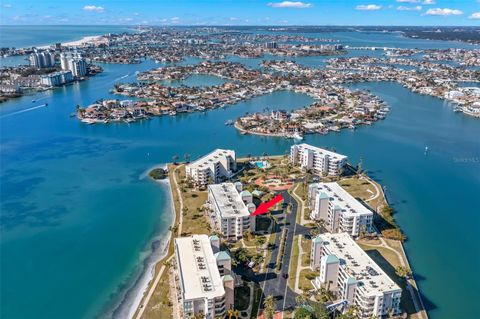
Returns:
(197, 266)
(355, 261)
(340, 197)
(229, 200)
(211, 158)
(322, 151)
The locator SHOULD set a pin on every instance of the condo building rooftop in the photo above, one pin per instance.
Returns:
(211, 158)
(197, 266)
(229, 200)
(358, 264)
(341, 198)
(331, 154)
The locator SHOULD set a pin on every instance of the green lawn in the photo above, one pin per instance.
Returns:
(304, 283)
(293, 263)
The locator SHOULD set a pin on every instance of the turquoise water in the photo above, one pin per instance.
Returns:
(78, 218)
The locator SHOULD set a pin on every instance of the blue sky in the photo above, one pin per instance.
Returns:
(241, 12)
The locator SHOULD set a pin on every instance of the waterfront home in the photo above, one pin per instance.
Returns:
(353, 277)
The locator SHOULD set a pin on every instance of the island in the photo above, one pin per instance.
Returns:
(274, 263)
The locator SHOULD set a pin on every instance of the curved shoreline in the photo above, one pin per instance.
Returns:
(138, 286)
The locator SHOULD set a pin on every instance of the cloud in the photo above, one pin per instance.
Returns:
(426, 2)
(368, 7)
(7, 5)
(404, 8)
(290, 4)
(175, 20)
(475, 16)
(233, 18)
(443, 12)
(94, 8)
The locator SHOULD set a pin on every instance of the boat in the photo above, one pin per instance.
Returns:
(229, 122)
(297, 136)
(33, 101)
(426, 149)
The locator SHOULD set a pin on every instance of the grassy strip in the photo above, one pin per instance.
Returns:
(281, 249)
(293, 263)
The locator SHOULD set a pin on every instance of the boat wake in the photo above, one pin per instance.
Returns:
(24, 111)
(122, 77)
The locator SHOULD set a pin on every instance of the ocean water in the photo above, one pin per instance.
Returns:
(27, 36)
(79, 220)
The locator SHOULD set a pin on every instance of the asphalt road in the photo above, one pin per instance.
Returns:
(272, 283)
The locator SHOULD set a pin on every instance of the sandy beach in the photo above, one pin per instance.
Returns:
(134, 295)
(84, 40)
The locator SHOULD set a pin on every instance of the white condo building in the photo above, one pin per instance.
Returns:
(203, 278)
(212, 168)
(75, 63)
(346, 270)
(340, 210)
(44, 59)
(319, 160)
(230, 209)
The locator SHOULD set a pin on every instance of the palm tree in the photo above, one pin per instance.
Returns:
(268, 307)
(187, 158)
(235, 313)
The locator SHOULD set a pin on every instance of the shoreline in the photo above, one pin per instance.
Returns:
(84, 40)
(147, 282)
(138, 286)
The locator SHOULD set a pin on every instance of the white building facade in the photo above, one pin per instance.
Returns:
(44, 59)
(56, 78)
(230, 210)
(74, 63)
(203, 280)
(340, 211)
(319, 160)
(345, 269)
(214, 167)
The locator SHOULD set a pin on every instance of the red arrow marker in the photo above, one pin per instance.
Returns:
(264, 207)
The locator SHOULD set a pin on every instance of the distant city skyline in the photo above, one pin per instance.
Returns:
(242, 12)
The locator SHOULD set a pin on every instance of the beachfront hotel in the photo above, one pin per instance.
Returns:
(347, 271)
(214, 167)
(230, 209)
(203, 277)
(340, 210)
(319, 160)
